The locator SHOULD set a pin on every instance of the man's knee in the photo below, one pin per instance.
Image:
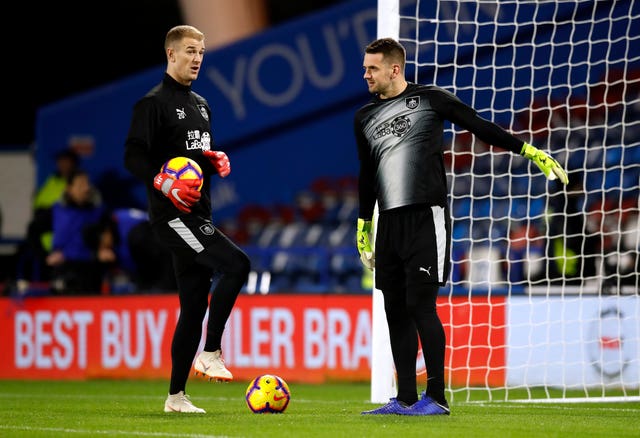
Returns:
(242, 265)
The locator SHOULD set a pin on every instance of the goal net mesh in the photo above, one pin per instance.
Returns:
(543, 297)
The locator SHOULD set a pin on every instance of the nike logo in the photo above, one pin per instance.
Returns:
(428, 271)
(279, 397)
(205, 368)
(175, 194)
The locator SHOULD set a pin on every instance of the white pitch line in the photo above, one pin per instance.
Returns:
(107, 432)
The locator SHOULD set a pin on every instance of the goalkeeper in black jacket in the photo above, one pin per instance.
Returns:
(399, 134)
(170, 121)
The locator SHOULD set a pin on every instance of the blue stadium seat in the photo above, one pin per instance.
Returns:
(519, 209)
(500, 208)
(481, 207)
(461, 229)
(461, 207)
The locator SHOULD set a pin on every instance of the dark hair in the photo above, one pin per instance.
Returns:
(390, 49)
(75, 174)
(67, 154)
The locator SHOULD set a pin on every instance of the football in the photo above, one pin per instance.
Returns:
(183, 168)
(268, 394)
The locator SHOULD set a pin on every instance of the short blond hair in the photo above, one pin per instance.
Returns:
(177, 33)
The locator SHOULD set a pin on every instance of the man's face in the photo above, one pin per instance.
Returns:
(185, 59)
(378, 73)
(79, 189)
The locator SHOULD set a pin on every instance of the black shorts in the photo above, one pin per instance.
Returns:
(412, 247)
(187, 236)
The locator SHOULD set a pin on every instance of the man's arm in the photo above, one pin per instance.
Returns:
(453, 109)
(366, 192)
(144, 122)
(449, 107)
(367, 197)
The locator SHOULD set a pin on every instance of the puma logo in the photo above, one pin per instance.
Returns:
(428, 270)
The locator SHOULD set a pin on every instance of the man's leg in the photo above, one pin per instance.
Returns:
(404, 344)
(421, 305)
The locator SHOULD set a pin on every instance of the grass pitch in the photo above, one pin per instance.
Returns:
(134, 408)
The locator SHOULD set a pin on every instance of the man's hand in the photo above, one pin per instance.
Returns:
(363, 242)
(549, 166)
(220, 161)
(183, 193)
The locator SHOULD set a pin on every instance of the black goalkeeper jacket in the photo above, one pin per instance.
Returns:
(171, 120)
(400, 142)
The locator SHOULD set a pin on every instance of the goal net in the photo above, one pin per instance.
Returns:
(543, 300)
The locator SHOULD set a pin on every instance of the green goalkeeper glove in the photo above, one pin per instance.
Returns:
(363, 242)
(549, 166)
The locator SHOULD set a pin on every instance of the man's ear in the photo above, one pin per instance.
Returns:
(395, 71)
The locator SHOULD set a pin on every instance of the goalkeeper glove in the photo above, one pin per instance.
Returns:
(220, 161)
(183, 193)
(549, 166)
(363, 242)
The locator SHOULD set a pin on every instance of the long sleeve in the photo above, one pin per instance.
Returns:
(366, 192)
(453, 109)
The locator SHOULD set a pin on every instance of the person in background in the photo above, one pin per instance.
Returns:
(170, 121)
(575, 243)
(31, 254)
(52, 189)
(76, 269)
(139, 262)
(399, 136)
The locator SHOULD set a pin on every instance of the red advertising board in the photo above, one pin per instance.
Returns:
(476, 340)
(310, 338)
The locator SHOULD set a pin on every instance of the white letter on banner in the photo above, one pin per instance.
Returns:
(156, 334)
(338, 329)
(362, 339)
(111, 353)
(259, 336)
(282, 326)
(314, 339)
(62, 355)
(309, 59)
(133, 357)
(42, 339)
(295, 83)
(82, 319)
(241, 360)
(23, 328)
(232, 91)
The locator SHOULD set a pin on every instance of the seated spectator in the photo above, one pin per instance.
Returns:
(525, 254)
(575, 241)
(76, 268)
(53, 187)
(33, 251)
(621, 247)
(124, 241)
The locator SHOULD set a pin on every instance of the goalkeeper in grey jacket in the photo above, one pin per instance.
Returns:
(399, 135)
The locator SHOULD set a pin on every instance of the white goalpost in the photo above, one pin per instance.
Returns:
(543, 303)
(383, 381)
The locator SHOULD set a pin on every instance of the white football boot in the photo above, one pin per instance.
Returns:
(211, 365)
(180, 403)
